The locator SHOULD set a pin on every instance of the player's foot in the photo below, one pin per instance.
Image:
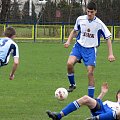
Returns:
(52, 115)
(71, 88)
(93, 118)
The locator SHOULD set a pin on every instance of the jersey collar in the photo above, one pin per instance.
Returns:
(91, 20)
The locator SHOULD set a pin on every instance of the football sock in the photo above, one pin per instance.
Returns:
(70, 108)
(91, 90)
(106, 116)
(59, 116)
(71, 78)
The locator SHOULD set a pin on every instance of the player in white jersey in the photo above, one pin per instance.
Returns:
(107, 110)
(9, 47)
(88, 29)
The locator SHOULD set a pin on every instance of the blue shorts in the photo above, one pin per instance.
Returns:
(88, 55)
(103, 110)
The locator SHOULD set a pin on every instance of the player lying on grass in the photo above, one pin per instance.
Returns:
(8, 47)
(107, 110)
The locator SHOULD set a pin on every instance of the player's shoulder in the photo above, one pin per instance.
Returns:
(82, 17)
(10, 41)
(4, 38)
(13, 42)
(97, 20)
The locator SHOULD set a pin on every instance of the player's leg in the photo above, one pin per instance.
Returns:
(70, 69)
(74, 57)
(91, 81)
(89, 59)
(101, 112)
(73, 106)
(108, 116)
(105, 116)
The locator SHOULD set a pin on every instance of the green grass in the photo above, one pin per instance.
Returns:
(41, 71)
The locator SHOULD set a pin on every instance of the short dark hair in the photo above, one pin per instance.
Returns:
(9, 32)
(92, 5)
(117, 94)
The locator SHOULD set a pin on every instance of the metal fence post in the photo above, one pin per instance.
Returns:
(62, 32)
(34, 31)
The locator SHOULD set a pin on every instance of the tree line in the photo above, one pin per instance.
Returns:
(108, 11)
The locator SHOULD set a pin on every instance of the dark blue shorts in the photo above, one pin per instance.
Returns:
(104, 109)
(101, 110)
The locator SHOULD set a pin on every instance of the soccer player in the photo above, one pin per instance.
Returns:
(8, 47)
(88, 29)
(107, 110)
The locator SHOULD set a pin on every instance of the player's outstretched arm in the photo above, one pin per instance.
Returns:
(71, 36)
(118, 114)
(111, 57)
(104, 90)
(15, 65)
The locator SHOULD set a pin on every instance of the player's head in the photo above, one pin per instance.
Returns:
(10, 32)
(118, 95)
(91, 10)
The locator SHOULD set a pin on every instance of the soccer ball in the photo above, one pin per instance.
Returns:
(61, 93)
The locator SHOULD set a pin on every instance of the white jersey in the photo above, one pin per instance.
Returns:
(7, 47)
(113, 105)
(90, 31)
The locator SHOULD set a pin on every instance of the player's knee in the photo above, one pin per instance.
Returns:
(86, 99)
(69, 64)
(90, 73)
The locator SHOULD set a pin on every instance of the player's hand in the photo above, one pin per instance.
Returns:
(104, 87)
(118, 114)
(66, 45)
(111, 58)
(11, 77)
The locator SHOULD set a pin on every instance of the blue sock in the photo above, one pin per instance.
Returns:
(59, 116)
(70, 108)
(91, 91)
(71, 78)
(107, 116)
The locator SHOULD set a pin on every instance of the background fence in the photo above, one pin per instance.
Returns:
(49, 32)
(45, 23)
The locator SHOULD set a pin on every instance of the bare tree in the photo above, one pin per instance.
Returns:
(5, 9)
(15, 14)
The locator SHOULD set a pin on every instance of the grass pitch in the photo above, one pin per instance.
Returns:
(41, 71)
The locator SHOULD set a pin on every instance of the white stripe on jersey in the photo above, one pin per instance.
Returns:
(90, 31)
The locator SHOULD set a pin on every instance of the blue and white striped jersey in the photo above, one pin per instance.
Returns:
(112, 105)
(7, 47)
(90, 31)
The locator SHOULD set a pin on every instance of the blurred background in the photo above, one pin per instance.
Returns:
(54, 19)
(56, 10)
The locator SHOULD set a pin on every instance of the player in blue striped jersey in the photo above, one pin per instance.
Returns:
(89, 29)
(107, 110)
(9, 47)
